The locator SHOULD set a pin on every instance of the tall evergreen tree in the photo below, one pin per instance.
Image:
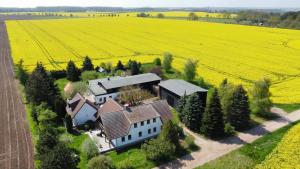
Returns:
(87, 64)
(240, 114)
(180, 107)
(170, 133)
(21, 73)
(72, 72)
(212, 122)
(120, 65)
(40, 87)
(134, 68)
(193, 112)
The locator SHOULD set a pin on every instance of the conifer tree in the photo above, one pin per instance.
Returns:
(87, 64)
(21, 73)
(240, 112)
(170, 133)
(120, 65)
(212, 122)
(180, 107)
(40, 87)
(72, 72)
(193, 112)
(134, 68)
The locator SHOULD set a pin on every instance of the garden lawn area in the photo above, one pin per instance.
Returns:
(74, 142)
(249, 155)
(289, 107)
(135, 155)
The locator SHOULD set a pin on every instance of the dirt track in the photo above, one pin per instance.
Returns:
(16, 149)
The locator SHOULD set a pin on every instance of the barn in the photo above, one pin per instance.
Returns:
(172, 90)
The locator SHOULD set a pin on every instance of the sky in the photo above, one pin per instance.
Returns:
(155, 3)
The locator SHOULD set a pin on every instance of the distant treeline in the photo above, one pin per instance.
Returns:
(282, 20)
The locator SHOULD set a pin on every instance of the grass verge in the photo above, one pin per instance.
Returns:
(289, 107)
(249, 155)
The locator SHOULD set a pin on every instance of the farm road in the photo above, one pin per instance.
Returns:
(16, 149)
(211, 150)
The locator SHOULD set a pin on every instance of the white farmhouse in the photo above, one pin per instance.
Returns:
(81, 110)
(126, 126)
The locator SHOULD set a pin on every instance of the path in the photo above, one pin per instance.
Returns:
(211, 150)
(16, 150)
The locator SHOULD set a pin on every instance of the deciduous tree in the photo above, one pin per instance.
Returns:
(190, 69)
(167, 62)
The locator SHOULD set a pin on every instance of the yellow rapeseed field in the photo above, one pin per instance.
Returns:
(240, 53)
(287, 153)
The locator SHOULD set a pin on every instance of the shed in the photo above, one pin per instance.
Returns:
(172, 90)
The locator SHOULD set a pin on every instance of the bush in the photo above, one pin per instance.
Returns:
(89, 148)
(158, 149)
(229, 129)
(100, 162)
(190, 143)
(89, 75)
(157, 70)
(157, 62)
(125, 164)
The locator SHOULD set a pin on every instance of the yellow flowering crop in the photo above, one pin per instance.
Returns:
(287, 153)
(240, 53)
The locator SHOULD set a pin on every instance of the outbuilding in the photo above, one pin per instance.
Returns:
(172, 90)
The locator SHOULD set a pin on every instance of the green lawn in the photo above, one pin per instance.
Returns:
(289, 107)
(135, 155)
(249, 155)
(74, 142)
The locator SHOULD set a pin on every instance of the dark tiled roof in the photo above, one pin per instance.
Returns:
(110, 106)
(181, 87)
(115, 124)
(75, 104)
(141, 113)
(163, 109)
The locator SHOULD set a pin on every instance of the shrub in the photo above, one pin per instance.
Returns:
(157, 62)
(157, 70)
(100, 162)
(158, 149)
(189, 142)
(125, 164)
(89, 75)
(229, 129)
(89, 148)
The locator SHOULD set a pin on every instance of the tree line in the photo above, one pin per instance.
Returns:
(285, 20)
(228, 109)
(47, 109)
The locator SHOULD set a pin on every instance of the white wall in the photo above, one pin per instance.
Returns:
(100, 99)
(85, 114)
(134, 132)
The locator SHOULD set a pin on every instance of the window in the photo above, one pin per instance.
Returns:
(142, 123)
(129, 137)
(100, 99)
(148, 121)
(123, 139)
(110, 96)
(154, 120)
(149, 131)
(140, 134)
(135, 125)
(154, 129)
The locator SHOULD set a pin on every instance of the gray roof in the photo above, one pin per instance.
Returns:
(181, 87)
(117, 82)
